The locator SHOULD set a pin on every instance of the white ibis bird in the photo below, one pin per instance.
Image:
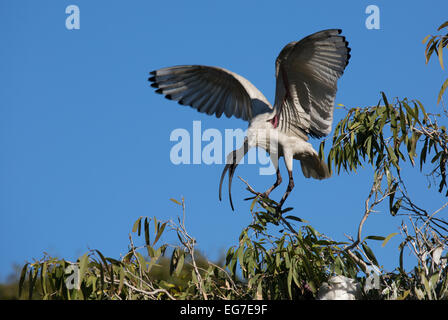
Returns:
(306, 73)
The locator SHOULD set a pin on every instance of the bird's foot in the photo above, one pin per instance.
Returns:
(256, 194)
(263, 195)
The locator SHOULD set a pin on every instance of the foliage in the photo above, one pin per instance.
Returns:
(292, 265)
(436, 44)
(279, 255)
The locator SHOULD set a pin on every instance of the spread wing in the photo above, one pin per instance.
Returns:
(210, 90)
(307, 72)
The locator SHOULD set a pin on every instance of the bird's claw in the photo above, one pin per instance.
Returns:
(260, 195)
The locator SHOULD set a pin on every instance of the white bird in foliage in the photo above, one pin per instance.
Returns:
(306, 71)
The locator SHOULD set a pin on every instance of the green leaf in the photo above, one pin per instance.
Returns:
(166, 285)
(156, 226)
(402, 121)
(83, 263)
(411, 112)
(175, 201)
(401, 247)
(114, 262)
(159, 232)
(396, 207)
(101, 276)
(271, 210)
(440, 53)
(289, 282)
(295, 277)
(287, 210)
(433, 280)
(386, 240)
(296, 219)
(425, 39)
(175, 258)
(232, 264)
(369, 147)
(137, 225)
(444, 25)
(378, 238)
(442, 90)
(404, 295)
(385, 100)
(151, 251)
(180, 263)
(229, 255)
(426, 284)
(313, 231)
(423, 153)
(393, 124)
(253, 204)
(414, 139)
(173, 261)
(146, 229)
(141, 261)
(43, 278)
(392, 191)
(240, 255)
(437, 156)
(321, 150)
(369, 253)
(102, 257)
(259, 294)
(22, 278)
(122, 276)
(31, 281)
(256, 227)
(194, 278)
(392, 156)
(429, 49)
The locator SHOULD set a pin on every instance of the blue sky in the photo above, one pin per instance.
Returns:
(85, 146)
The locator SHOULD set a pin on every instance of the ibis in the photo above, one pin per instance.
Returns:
(306, 74)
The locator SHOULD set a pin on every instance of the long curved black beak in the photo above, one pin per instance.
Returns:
(232, 162)
(231, 168)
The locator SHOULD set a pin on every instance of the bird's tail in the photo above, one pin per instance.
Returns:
(313, 166)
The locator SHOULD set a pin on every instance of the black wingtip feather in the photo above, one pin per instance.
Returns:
(159, 91)
(347, 46)
(348, 53)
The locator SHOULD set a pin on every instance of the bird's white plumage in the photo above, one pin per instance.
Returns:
(340, 288)
(307, 72)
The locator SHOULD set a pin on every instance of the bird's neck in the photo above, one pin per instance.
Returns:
(274, 121)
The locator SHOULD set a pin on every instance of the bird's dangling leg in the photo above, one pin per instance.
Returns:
(288, 190)
(277, 182)
(274, 158)
(266, 194)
